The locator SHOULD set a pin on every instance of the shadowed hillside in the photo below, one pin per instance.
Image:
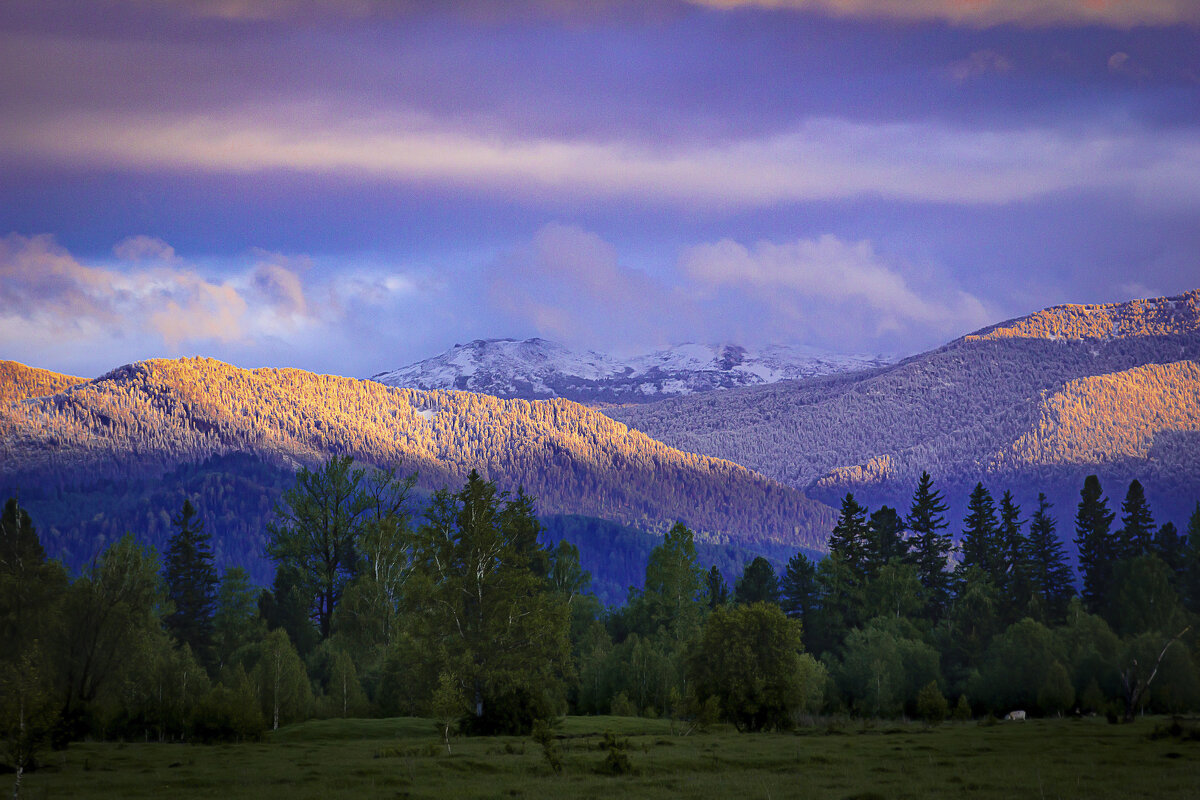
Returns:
(145, 419)
(1049, 397)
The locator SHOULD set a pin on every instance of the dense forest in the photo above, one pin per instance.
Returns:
(469, 613)
(144, 421)
(1035, 404)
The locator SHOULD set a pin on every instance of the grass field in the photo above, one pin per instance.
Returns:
(403, 758)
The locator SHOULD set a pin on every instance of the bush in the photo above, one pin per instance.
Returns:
(622, 706)
(225, 715)
(511, 713)
(962, 711)
(931, 704)
(617, 761)
(543, 734)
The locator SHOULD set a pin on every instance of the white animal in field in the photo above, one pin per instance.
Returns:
(1016, 715)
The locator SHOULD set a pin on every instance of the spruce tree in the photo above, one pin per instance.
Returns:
(1170, 547)
(191, 582)
(1013, 577)
(1137, 524)
(930, 548)
(1189, 588)
(1048, 571)
(885, 539)
(758, 583)
(849, 537)
(980, 539)
(798, 589)
(718, 589)
(1097, 549)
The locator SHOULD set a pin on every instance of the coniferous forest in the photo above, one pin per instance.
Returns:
(464, 614)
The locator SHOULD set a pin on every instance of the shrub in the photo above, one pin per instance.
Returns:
(962, 710)
(622, 706)
(931, 704)
(617, 761)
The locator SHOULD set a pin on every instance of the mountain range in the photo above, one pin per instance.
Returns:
(143, 423)
(1034, 403)
(535, 369)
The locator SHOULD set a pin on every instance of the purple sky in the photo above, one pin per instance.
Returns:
(351, 186)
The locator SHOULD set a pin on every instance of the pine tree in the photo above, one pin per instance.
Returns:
(758, 583)
(798, 589)
(1048, 571)
(718, 589)
(1097, 550)
(1137, 524)
(191, 582)
(980, 539)
(849, 537)
(1189, 588)
(885, 539)
(1013, 577)
(930, 548)
(1170, 547)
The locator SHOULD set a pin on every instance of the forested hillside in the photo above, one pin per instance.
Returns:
(18, 382)
(1049, 397)
(149, 419)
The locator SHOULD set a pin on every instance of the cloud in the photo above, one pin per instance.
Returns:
(988, 13)
(1120, 63)
(828, 288)
(977, 64)
(820, 159)
(568, 284)
(974, 13)
(150, 294)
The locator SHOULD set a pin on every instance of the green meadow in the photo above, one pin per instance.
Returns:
(398, 758)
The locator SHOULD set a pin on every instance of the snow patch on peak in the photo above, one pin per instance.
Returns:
(538, 368)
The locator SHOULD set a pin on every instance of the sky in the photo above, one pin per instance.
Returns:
(351, 186)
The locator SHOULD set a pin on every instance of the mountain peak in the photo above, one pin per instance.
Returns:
(1158, 316)
(540, 368)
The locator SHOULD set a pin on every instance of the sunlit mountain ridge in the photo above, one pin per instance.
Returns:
(143, 420)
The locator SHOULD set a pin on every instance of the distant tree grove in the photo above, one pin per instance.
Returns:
(463, 614)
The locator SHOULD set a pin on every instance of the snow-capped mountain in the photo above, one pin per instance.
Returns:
(537, 368)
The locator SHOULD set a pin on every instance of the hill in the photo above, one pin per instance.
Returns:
(145, 422)
(18, 382)
(539, 369)
(1036, 402)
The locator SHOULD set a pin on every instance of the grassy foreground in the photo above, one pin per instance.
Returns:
(403, 758)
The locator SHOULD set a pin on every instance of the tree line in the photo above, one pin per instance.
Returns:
(462, 613)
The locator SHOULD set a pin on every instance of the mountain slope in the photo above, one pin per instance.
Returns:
(975, 409)
(538, 369)
(18, 382)
(145, 419)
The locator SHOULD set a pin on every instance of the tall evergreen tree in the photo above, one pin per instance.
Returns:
(1189, 588)
(980, 539)
(798, 589)
(1136, 536)
(885, 539)
(758, 583)
(1013, 577)
(1049, 573)
(1170, 547)
(930, 547)
(191, 583)
(849, 537)
(1097, 549)
(717, 588)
